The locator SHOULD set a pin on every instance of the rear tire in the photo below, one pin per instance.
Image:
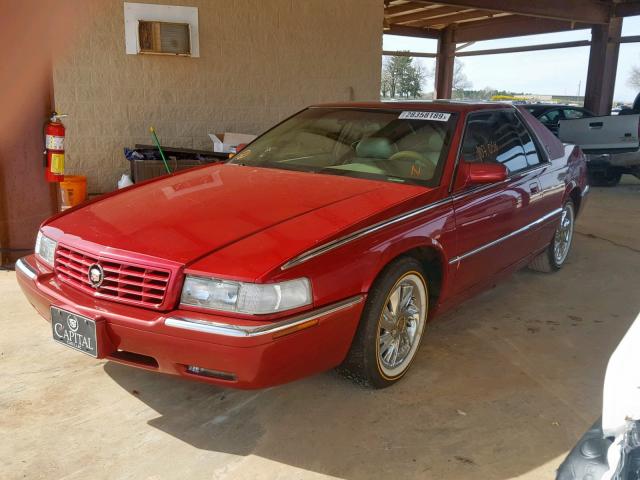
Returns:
(605, 178)
(391, 326)
(555, 255)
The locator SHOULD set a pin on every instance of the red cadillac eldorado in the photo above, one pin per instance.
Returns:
(331, 240)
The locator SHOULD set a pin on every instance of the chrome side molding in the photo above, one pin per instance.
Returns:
(229, 330)
(26, 269)
(506, 237)
(332, 245)
(338, 242)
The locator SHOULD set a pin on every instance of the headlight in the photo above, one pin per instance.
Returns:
(253, 298)
(45, 248)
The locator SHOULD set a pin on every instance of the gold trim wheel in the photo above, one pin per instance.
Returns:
(391, 326)
(401, 324)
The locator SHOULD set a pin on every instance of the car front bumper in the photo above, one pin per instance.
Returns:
(221, 350)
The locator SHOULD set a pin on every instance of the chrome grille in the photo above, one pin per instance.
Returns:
(123, 282)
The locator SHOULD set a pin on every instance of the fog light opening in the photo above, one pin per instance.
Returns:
(134, 358)
(205, 372)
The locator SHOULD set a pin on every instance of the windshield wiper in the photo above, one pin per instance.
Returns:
(393, 178)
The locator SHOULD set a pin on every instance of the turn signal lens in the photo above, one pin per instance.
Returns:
(296, 328)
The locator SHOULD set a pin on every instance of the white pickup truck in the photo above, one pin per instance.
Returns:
(610, 142)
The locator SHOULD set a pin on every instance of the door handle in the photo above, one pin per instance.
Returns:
(534, 187)
(596, 125)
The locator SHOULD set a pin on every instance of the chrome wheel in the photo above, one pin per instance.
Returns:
(401, 324)
(563, 235)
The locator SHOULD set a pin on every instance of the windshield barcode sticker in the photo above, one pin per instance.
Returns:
(437, 116)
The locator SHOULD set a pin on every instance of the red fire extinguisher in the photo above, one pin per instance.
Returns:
(54, 149)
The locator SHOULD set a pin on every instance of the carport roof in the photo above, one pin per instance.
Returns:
(477, 20)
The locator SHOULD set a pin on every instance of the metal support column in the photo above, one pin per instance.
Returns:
(444, 64)
(603, 63)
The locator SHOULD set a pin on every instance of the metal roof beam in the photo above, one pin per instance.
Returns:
(582, 11)
(627, 9)
(511, 26)
(457, 17)
(423, 14)
(402, 53)
(412, 32)
(528, 48)
(406, 7)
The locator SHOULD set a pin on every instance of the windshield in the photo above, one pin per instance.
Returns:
(396, 146)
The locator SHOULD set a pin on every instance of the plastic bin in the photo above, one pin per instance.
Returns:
(73, 190)
(177, 159)
(142, 170)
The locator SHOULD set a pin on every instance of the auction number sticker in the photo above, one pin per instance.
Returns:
(437, 116)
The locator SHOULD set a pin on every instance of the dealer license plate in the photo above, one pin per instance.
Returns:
(74, 331)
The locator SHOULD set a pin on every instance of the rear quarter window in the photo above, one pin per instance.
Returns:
(553, 148)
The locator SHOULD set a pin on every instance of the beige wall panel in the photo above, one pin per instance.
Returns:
(260, 61)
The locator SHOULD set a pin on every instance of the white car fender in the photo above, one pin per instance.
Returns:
(621, 396)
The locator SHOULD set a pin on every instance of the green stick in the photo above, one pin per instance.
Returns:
(155, 139)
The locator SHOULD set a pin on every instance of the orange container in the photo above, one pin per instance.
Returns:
(73, 190)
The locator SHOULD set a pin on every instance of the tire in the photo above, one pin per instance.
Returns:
(380, 356)
(555, 255)
(606, 178)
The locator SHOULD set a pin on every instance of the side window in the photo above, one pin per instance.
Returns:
(530, 152)
(499, 137)
(550, 118)
(571, 113)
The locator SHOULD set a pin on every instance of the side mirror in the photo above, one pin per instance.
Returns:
(470, 174)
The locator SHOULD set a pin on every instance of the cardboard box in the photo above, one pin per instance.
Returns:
(228, 141)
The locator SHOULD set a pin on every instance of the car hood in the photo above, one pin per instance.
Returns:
(184, 217)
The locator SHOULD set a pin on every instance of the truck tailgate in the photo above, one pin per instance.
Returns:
(609, 134)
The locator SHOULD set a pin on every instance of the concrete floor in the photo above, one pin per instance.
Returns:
(501, 388)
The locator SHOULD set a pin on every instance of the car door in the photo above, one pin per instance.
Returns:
(605, 134)
(493, 222)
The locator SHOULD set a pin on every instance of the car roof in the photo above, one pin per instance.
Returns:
(429, 105)
(550, 105)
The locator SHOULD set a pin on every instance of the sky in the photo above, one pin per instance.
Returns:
(545, 72)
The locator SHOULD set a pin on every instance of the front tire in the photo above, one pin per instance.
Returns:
(555, 255)
(391, 326)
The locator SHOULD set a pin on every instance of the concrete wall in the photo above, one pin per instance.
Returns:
(260, 61)
(25, 76)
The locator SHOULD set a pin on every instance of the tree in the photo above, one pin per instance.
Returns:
(486, 93)
(418, 76)
(634, 77)
(460, 79)
(401, 77)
